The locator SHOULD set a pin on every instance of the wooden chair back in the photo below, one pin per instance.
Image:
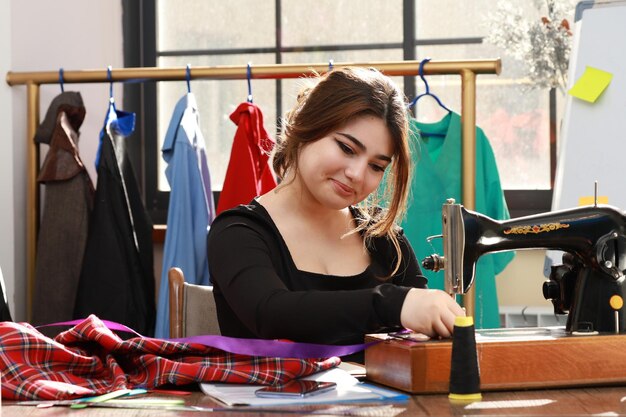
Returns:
(192, 307)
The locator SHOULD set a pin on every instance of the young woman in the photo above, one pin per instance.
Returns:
(317, 259)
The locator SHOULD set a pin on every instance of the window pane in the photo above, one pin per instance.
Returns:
(215, 24)
(437, 19)
(291, 87)
(328, 22)
(517, 122)
(514, 117)
(217, 99)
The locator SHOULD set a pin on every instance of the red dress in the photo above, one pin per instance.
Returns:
(249, 173)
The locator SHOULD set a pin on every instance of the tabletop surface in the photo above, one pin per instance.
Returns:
(607, 401)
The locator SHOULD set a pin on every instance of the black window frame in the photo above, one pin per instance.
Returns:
(139, 33)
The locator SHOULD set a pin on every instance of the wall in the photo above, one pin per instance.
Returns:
(7, 189)
(41, 35)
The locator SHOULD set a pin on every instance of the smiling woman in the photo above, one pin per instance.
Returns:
(320, 258)
(352, 167)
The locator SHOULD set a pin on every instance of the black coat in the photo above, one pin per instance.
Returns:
(117, 278)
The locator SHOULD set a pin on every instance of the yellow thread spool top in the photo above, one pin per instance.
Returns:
(464, 321)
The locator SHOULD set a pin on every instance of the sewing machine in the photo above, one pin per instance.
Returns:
(588, 287)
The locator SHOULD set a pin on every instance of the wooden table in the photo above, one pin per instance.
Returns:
(578, 402)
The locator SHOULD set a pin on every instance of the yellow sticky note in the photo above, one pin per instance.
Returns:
(591, 84)
(588, 200)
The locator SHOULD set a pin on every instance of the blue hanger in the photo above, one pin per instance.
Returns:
(249, 76)
(110, 78)
(427, 92)
(61, 80)
(188, 78)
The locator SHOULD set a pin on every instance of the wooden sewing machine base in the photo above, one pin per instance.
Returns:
(508, 359)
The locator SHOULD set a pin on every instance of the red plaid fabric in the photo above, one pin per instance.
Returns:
(89, 359)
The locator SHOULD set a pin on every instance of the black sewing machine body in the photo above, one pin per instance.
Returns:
(588, 286)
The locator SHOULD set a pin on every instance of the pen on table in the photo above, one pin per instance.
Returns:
(102, 398)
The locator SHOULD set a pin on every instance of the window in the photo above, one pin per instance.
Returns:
(211, 32)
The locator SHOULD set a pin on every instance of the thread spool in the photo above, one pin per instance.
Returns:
(464, 370)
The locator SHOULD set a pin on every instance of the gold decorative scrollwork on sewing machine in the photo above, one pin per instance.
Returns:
(537, 228)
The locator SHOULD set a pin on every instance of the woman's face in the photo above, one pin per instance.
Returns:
(347, 165)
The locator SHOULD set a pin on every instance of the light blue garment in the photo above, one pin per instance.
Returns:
(191, 208)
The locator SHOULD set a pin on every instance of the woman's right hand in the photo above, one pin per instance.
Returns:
(431, 312)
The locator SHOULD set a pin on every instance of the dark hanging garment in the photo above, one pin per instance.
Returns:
(70, 102)
(117, 280)
(67, 206)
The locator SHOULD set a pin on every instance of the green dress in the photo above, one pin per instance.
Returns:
(437, 177)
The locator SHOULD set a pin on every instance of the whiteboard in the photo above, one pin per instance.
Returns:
(592, 146)
(593, 136)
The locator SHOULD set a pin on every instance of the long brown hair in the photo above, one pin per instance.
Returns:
(338, 97)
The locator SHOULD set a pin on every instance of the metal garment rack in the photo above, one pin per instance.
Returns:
(466, 69)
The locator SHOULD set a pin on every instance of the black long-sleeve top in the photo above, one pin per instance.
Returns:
(260, 293)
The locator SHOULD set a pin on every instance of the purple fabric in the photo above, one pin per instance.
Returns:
(252, 347)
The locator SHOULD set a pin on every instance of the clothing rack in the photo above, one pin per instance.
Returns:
(466, 69)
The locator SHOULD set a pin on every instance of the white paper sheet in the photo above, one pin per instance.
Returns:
(349, 389)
